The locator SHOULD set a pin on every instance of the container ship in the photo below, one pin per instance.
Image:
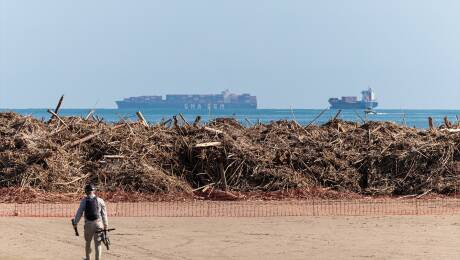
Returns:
(225, 101)
(367, 101)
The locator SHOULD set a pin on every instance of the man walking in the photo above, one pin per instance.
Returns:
(95, 219)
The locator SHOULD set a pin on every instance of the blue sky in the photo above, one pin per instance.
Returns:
(288, 53)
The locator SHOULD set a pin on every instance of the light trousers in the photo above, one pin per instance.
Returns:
(90, 234)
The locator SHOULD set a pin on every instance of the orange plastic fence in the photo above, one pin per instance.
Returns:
(373, 207)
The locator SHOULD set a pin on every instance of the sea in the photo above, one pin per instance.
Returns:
(417, 118)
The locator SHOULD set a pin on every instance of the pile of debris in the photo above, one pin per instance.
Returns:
(375, 158)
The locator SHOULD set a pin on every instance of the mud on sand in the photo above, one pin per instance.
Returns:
(397, 237)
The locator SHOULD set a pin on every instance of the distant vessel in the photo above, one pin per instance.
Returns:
(225, 101)
(367, 101)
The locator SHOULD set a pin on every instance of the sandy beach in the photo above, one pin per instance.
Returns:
(396, 237)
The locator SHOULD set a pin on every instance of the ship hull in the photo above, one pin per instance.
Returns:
(184, 107)
(353, 105)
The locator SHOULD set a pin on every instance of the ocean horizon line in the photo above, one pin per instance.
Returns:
(263, 108)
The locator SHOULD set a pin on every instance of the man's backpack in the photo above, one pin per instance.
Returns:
(91, 209)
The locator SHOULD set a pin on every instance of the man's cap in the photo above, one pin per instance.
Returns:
(90, 187)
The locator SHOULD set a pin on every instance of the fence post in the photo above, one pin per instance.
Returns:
(416, 207)
(313, 204)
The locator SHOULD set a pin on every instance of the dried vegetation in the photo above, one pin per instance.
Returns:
(376, 158)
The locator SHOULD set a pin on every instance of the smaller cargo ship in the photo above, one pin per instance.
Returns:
(367, 101)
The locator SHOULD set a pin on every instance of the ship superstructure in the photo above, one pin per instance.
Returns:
(368, 101)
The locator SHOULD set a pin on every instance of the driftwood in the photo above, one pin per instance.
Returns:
(423, 194)
(56, 110)
(183, 119)
(451, 130)
(84, 139)
(430, 123)
(197, 121)
(447, 123)
(337, 115)
(166, 122)
(54, 115)
(375, 158)
(210, 144)
(360, 118)
(316, 118)
(90, 114)
(248, 121)
(214, 131)
(75, 180)
(108, 156)
(222, 174)
(141, 118)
